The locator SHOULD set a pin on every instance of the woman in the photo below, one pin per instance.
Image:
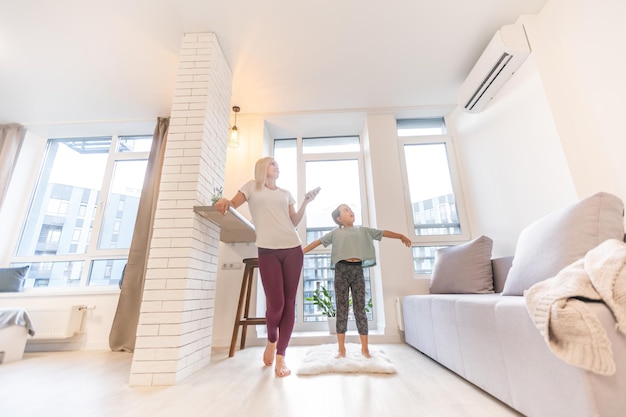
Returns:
(279, 252)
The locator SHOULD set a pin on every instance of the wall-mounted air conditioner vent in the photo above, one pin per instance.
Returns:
(504, 54)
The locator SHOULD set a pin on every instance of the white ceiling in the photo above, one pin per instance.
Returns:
(68, 61)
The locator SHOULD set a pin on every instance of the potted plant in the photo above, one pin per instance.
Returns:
(217, 194)
(323, 300)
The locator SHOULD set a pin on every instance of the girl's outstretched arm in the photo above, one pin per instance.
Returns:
(405, 240)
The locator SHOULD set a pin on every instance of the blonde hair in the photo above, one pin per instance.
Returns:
(260, 171)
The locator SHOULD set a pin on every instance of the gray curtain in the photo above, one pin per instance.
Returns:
(11, 138)
(124, 328)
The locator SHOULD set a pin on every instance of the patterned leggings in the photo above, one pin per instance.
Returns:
(350, 278)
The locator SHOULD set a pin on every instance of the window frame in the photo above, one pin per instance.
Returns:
(92, 252)
(434, 240)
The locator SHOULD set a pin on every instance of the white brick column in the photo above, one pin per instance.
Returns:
(176, 321)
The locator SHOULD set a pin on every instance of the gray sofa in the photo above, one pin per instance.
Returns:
(488, 336)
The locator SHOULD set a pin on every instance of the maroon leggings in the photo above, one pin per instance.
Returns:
(280, 271)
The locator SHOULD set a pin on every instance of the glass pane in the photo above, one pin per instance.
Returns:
(53, 274)
(421, 127)
(134, 144)
(118, 223)
(317, 274)
(430, 186)
(331, 144)
(106, 272)
(424, 258)
(63, 208)
(339, 181)
(286, 156)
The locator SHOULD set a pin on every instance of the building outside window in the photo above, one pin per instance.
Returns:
(81, 218)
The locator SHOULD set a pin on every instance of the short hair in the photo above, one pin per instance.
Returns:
(336, 213)
(260, 171)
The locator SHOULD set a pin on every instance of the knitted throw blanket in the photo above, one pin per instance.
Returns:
(558, 307)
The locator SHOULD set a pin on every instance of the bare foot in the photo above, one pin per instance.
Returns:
(281, 368)
(268, 355)
(341, 354)
(366, 353)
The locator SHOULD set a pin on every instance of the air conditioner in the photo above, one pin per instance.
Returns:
(504, 54)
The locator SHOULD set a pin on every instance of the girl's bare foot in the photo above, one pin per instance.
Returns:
(365, 351)
(281, 368)
(268, 355)
(341, 345)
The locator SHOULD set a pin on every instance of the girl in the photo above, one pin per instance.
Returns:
(353, 250)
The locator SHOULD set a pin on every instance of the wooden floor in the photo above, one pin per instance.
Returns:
(95, 383)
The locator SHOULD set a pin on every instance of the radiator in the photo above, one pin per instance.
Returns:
(56, 322)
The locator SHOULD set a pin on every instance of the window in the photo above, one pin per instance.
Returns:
(432, 189)
(421, 127)
(336, 165)
(87, 187)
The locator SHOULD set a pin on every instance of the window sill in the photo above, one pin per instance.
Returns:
(319, 333)
(59, 292)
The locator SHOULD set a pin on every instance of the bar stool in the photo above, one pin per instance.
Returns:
(244, 306)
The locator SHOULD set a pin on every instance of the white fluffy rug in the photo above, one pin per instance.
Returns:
(321, 359)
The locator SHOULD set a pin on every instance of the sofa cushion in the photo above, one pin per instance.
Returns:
(501, 267)
(12, 279)
(551, 243)
(463, 269)
(483, 360)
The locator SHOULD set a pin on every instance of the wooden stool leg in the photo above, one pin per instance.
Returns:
(246, 273)
(246, 308)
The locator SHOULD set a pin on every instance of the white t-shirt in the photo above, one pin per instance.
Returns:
(270, 216)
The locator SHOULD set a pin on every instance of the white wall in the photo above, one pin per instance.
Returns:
(512, 164)
(554, 133)
(582, 62)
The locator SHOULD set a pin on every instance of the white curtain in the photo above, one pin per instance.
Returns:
(11, 138)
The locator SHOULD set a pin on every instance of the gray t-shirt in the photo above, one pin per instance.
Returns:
(351, 243)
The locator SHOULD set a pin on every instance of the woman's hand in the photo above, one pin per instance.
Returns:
(222, 205)
(310, 196)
